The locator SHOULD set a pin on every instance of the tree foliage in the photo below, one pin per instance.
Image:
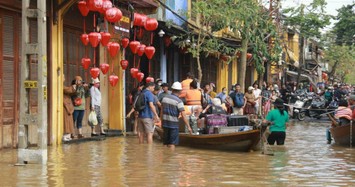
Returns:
(308, 19)
(341, 58)
(344, 29)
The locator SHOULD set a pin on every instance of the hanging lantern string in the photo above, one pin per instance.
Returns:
(84, 24)
(139, 63)
(134, 60)
(94, 56)
(151, 38)
(112, 65)
(134, 33)
(149, 66)
(94, 22)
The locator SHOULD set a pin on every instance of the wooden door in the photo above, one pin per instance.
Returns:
(10, 39)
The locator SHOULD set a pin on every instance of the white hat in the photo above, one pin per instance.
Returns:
(94, 81)
(176, 86)
(251, 88)
(216, 102)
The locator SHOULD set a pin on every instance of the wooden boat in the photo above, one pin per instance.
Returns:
(237, 141)
(341, 135)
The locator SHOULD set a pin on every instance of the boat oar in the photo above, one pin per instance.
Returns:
(265, 146)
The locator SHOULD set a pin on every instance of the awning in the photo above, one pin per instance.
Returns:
(302, 77)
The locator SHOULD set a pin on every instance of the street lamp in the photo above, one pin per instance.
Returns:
(161, 33)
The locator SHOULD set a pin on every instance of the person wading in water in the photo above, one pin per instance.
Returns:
(278, 119)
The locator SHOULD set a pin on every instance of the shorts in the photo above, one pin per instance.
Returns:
(145, 125)
(238, 111)
(277, 136)
(100, 120)
(171, 136)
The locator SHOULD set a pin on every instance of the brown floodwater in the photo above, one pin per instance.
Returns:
(306, 160)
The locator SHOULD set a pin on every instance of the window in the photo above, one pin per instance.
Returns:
(171, 4)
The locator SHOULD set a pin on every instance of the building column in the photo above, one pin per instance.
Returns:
(163, 63)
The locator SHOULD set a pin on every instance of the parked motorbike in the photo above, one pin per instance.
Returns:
(312, 106)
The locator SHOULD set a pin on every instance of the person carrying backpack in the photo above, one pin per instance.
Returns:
(239, 100)
(144, 104)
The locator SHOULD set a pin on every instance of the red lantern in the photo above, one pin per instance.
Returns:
(83, 8)
(104, 68)
(106, 4)
(134, 72)
(94, 5)
(225, 57)
(85, 62)
(105, 38)
(141, 49)
(149, 51)
(140, 76)
(94, 72)
(134, 46)
(113, 48)
(113, 80)
(167, 41)
(124, 64)
(151, 24)
(125, 42)
(113, 15)
(183, 50)
(249, 55)
(139, 20)
(85, 39)
(94, 38)
(149, 79)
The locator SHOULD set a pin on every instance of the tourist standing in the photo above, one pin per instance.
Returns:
(68, 112)
(222, 95)
(134, 94)
(257, 94)
(239, 100)
(165, 91)
(96, 106)
(81, 91)
(172, 107)
(148, 115)
(250, 104)
(278, 119)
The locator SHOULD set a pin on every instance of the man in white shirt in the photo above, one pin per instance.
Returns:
(257, 94)
(96, 106)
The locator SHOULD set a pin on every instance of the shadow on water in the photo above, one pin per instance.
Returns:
(305, 160)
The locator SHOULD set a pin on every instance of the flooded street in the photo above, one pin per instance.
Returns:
(305, 161)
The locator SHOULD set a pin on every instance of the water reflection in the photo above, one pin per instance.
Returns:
(306, 160)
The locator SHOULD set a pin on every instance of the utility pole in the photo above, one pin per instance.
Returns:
(274, 8)
(27, 118)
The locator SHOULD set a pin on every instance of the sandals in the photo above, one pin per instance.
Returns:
(80, 136)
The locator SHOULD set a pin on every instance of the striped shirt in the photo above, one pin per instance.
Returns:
(172, 106)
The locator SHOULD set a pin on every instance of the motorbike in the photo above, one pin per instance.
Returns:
(311, 105)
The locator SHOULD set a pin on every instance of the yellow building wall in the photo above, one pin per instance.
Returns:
(115, 94)
(222, 75)
(295, 46)
(255, 75)
(56, 106)
(234, 72)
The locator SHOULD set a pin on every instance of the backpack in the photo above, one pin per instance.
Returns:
(139, 102)
(218, 110)
(238, 100)
(328, 95)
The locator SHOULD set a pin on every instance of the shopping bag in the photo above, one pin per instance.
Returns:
(92, 118)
